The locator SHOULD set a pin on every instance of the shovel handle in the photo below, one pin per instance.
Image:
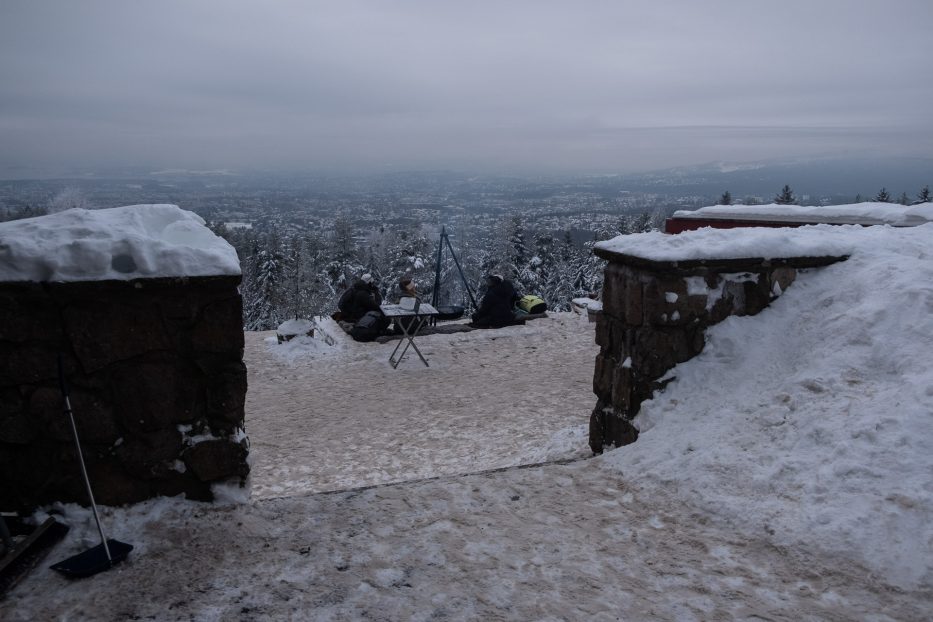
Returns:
(74, 431)
(61, 376)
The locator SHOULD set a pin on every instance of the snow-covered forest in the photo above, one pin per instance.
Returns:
(290, 274)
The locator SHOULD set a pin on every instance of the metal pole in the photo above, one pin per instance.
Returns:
(437, 269)
(87, 481)
(460, 270)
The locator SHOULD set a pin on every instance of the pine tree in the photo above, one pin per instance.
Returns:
(904, 199)
(262, 295)
(883, 196)
(726, 198)
(566, 247)
(858, 198)
(924, 196)
(786, 197)
(69, 198)
(344, 262)
(519, 253)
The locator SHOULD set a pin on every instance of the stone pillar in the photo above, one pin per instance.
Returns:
(157, 383)
(655, 314)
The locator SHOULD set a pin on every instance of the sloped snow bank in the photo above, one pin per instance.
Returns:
(813, 421)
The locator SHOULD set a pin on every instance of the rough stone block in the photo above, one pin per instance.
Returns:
(783, 277)
(29, 471)
(602, 378)
(621, 395)
(93, 416)
(148, 456)
(666, 302)
(603, 326)
(150, 396)
(216, 460)
(27, 363)
(182, 484)
(220, 328)
(609, 428)
(130, 331)
(226, 393)
(114, 486)
(633, 302)
(757, 296)
(614, 281)
(28, 317)
(658, 350)
(17, 430)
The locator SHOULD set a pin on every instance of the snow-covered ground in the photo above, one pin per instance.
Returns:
(786, 474)
(324, 417)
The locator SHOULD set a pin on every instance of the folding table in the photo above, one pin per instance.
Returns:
(420, 315)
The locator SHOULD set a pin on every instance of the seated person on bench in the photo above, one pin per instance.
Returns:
(496, 309)
(362, 296)
(405, 289)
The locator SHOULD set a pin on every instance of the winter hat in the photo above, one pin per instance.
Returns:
(367, 278)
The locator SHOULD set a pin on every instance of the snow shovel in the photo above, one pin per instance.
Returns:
(109, 552)
(20, 558)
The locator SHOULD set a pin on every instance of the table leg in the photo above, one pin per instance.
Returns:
(408, 339)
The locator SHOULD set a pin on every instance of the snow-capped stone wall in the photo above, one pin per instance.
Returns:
(655, 314)
(153, 357)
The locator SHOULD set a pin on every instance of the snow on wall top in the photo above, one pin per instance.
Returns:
(856, 214)
(120, 243)
(743, 243)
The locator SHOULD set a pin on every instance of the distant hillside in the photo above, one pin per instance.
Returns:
(844, 178)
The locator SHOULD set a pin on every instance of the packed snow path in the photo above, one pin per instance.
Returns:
(330, 418)
(559, 542)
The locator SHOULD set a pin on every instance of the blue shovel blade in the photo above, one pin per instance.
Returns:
(94, 560)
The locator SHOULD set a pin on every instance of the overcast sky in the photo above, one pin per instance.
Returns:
(529, 86)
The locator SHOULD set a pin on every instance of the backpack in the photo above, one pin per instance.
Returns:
(368, 328)
(532, 304)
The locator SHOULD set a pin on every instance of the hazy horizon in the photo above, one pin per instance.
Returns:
(520, 87)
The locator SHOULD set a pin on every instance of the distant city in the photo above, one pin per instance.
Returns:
(302, 239)
(580, 204)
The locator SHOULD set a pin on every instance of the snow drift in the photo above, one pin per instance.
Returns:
(813, 421)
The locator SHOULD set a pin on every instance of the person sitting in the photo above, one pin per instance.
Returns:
(405, 289)
(362, 297)
(495, 311)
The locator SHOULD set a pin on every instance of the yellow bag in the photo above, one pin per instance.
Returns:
(532, 304)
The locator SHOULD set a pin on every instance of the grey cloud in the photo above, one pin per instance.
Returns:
(600, 86)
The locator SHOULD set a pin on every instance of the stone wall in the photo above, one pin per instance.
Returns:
(655, 315)
(157, 384)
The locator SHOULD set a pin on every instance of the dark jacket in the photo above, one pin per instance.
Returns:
(359, 299)
(496, 308)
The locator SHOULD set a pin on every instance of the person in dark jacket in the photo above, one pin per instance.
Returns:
(496, 309)
(362, 297)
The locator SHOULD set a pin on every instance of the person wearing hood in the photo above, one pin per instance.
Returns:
(362, 297)
(495, 311)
